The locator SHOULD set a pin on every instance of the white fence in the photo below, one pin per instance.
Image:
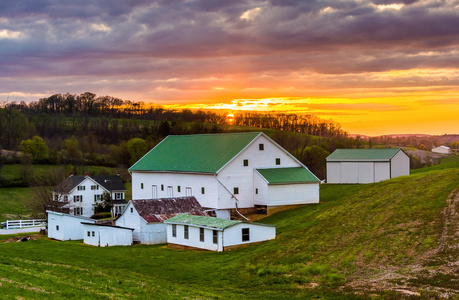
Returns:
(18, 224)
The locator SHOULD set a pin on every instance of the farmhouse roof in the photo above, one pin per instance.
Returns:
(287, 175)
(363, 154)
(69, 184)
(159, 210)
(110, 182)
(203, 153)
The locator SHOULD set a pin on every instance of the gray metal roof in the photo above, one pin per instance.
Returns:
(363, 154)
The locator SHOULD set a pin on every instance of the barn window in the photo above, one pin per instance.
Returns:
(132, 210)
(141, 186)
(261, 147)
(246, 162)
(201, 234)
(89, 233)
(256, 191)
(93, 233)
(236, 191)
(178, 188)
(57, 227)
(174, 230)
(215, 236)
(245, 234)
(185, 232)
(162, 187)
(277, 161)
(203, 191)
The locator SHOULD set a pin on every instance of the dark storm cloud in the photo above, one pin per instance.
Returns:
(147, 41)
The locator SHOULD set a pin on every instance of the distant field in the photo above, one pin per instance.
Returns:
(377, 239)
(13, 203)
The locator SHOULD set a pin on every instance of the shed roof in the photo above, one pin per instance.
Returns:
(210, 222)
(203, 153)
(363, 154)
(159, 210)
(287, 175)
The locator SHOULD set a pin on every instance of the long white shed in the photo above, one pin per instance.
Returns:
(215, 234)
(66, 227)
(366, 165)
(106, 235)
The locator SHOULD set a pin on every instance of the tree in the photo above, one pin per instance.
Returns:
(164, 128)
(36, 147)
(105, 205)
(137, 148)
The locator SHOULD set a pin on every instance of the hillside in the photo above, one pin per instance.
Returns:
(392, 239)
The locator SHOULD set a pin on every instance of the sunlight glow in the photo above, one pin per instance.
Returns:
(251, 14)
(8, 34)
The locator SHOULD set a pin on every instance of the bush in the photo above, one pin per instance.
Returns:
(102, 215)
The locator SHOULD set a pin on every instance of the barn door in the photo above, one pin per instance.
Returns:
(170, 192)
(154, 191)
(188, 192)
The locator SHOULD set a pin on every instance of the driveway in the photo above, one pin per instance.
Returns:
(22, 230)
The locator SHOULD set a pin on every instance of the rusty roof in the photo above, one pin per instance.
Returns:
(161, 209)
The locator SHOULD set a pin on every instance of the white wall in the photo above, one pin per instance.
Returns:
(442, 150)
(382, 171)
(235, 174)
(292, 194)
(153, 233)
(400, 165)
(195, 181)
(262, 198)
(194, 238)
(106, 236)
(131, 220)
(333, 172)
(70, 227)
(233, 235)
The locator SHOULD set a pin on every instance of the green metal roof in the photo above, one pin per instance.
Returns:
(287, 175)
(202, 221)
(204, 153)
(362, 154)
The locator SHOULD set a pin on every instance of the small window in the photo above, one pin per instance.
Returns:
(178, 188)
(174, 230)
(261, 147)
(132, 210)
(77, 198)
(245, 234)
(185, 232)
(94, 187)
(201, 234)
(57, 227)
(141, 186)
(256, 191)
(93, 233)
(246, 162)
(162, 187)
(215, 236)
(118, 196)
(89, 233)
(66, 198)
(203, 191)
(277, 161)
(81, 187)
(236, 191)
(97, 198)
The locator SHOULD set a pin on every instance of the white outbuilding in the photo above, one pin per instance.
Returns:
(66, 227)
(442, 150)
(366, 165)
(146, 217)
(225, 172)
(215, 234)
(103, 235)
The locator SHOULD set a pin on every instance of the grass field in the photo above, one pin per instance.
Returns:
(361, 240)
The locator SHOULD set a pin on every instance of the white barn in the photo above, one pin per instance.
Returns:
(66, 227)
(224, 172)
(146, 217)
(350, 166)
(102, 235)
(215, 234)
(442, 150)
(79, 193)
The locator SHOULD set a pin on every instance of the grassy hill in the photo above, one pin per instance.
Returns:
(391, 239)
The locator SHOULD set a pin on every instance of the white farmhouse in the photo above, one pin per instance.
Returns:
(146, 217)
(66, 227)
(215, 234)
(81, 192)
(441, 149)
(366, 165)
(224, 172)
(103, 235)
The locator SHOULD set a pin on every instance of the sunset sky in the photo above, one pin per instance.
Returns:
(375, 66)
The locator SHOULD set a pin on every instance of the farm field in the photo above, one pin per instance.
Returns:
(389, 240)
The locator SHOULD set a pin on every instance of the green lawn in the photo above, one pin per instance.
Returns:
(356, 231)
(13, 203)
